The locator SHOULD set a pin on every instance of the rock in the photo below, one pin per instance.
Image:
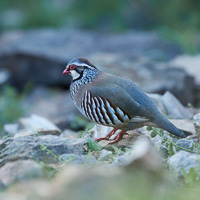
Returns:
(158, 101)
(169, 105)
(183, 160)
(68, 181)
(24, 132)
(1, 140)
(105, 155)
(120, 160)
(101, 182)
(39, 55)
(45, 148)
(84, 179)
(174, 108)
(20, 170)
(67, 133)
(158, 142)
(196, 121)
(100, 131)
(187, 144)
(78, 159)
(1, 188)
(4, 76)
(10, 129)
(61, 44)
(144, 156)
(190, 64)
(38, 124)
(63, 112)
(184, 125)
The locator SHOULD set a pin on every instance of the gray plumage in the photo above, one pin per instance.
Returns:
(113, 101)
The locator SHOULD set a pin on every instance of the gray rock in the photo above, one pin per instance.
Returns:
(196, 121)
(169, 105)
(20, 170)
(184, 160)
(1, 188)
(45, 148)
(187, 144)
(158, 101)
(78, 159)
(1, 140)
(38, 124)
(120, 160)
(67, 133)
(174, 108)
(100, 131)
(10, 129)
(184, 125)
(144, 156)
(190, 64)
(41, 56)
(158, 142)
(59, 43)
(60, 108)
(4, 76)
(105, 155)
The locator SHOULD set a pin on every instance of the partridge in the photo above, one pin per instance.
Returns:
(113, 101)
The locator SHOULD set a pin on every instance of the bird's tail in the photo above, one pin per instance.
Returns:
(164, 123)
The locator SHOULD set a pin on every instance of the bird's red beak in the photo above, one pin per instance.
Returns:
(66, 71)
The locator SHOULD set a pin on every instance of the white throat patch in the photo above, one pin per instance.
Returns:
(74, 74)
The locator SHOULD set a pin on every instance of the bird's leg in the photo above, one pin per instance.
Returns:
(118, 137)
(112, 132)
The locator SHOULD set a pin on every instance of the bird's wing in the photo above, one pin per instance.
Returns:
(119, 98)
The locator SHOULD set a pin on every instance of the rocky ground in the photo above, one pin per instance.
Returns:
(48, 153)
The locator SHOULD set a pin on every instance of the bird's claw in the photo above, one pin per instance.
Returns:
(117, 138)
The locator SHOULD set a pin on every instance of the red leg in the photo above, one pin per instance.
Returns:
(118, 137)
(112, 132)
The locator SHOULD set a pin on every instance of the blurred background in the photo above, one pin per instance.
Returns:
(176, 20)
(155, 43)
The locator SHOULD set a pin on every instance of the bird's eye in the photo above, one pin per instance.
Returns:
(71, 67)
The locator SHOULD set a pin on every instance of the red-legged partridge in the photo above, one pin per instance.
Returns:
(113, 101)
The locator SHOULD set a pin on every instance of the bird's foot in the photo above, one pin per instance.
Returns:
(118, 137)
(112, 132)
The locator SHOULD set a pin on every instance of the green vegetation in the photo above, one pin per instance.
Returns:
(92, 145)
(187, 39)
(170, 143)
(50, 152)
(49, 172)
(10, 106)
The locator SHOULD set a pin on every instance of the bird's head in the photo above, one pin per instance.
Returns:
(77, 67)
